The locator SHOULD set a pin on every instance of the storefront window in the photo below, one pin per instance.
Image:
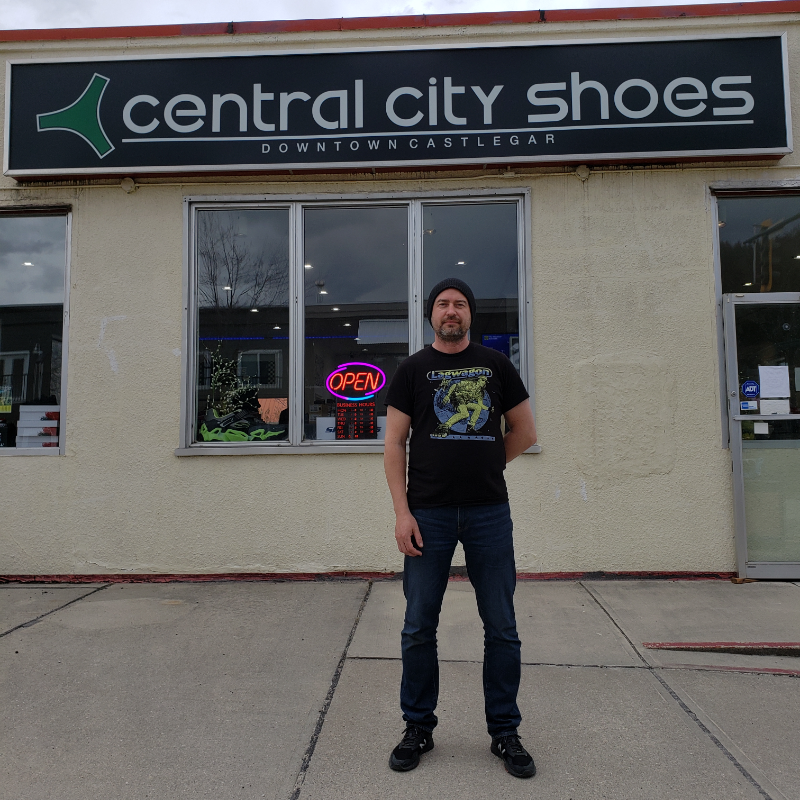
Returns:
(759, 243)
(304, 311)
(32, 286)
(356, 317)
(243, 325)
(478, 243)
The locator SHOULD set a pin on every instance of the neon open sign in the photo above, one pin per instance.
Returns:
(355, 381)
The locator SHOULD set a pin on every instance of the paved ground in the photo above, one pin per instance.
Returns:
(289, 690)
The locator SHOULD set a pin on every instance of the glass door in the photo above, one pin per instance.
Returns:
(762, 347)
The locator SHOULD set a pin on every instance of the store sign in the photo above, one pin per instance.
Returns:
(614, 100)
(355, 381)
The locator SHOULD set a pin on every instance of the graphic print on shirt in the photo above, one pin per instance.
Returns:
(461, 403)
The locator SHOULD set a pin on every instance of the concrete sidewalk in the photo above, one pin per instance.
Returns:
(290, 690)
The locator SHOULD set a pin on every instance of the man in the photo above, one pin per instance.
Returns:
(451, 396)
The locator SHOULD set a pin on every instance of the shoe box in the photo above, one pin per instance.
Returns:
(38, 426)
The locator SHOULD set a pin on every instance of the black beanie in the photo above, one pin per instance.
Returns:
(451, 283)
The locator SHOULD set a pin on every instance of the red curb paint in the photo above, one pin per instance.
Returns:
(345, 575)
(616, 576)
(409, 21)
(748, 670)
(199, 578)
(741, 648)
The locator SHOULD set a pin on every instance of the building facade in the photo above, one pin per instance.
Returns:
(216, 243)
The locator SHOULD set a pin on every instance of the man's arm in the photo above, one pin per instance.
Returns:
(406, 530)
(522, 433)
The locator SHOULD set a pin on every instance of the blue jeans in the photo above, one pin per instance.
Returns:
(485, 531)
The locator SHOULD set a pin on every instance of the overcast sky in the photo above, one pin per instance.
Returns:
(17, 14)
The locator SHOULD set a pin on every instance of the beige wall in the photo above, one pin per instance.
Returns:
(632, 475)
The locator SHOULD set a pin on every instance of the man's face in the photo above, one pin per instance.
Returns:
(451, 318)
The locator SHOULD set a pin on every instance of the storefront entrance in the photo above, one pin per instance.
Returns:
(762, 351)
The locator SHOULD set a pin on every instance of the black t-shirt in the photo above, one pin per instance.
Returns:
(455, 401)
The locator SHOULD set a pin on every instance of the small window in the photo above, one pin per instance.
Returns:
(304, 309)
(32, 289)
(759, 243)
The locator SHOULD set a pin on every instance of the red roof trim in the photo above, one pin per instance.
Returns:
(411, 21)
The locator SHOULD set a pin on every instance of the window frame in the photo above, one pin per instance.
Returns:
(723, 190)
(296, 203)
(50, 211)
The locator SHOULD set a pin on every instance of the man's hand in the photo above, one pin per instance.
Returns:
(406, 532)
(521, 430)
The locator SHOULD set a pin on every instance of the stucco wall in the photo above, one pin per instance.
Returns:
(632, 475)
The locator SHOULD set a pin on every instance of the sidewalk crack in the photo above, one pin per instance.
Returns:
(683, 706)
(33, 621)
(309, 753)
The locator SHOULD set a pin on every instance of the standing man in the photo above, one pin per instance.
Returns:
(451, 396)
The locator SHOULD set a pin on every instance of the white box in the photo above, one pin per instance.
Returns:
(37, 413)
(37, 441)
(326, 428)
(33, 427)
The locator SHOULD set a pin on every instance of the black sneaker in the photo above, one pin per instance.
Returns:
(406, 755)
(517, 759)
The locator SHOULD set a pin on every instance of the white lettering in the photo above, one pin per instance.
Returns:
(550, 139)
(216, 106)
(624, 110)
(285, 100)
(532, 139)
(355, 144)
(302, 147)
(433, 111)
(405, 122)
(199, 110)
(283, 147)
(514, 140)
(265, 148)
(496, 141)
(578, 88)
(487, 101)
(320, 147)
(126, 114)
(558, 102)
(373, 144)
(316, 110)
(359, 104)
(700, 93)
(258, 98)
(413, 143)
(393, 144)
(448, 142)
(449, 91)
(724, 94)
(430, 143)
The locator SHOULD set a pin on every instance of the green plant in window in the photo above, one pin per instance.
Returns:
(226, 385)
(233, 410)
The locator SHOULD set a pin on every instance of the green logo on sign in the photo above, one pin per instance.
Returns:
(82, 117)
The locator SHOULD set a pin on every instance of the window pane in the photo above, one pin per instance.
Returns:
(478, 244)
(356, 290)
(243, 325)
(32, 265)
(759, 244)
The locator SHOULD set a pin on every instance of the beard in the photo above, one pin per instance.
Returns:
(452, 334)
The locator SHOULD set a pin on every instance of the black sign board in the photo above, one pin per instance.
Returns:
(600, 101)
(356, 420)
